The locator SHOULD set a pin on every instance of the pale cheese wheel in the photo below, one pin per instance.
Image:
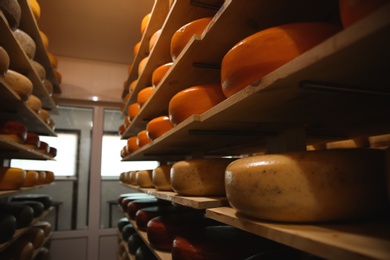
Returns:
(48, 86)
(4, 61)
(161, 177)
(11, 178)
(44, 115)
(39, 69)
(200, 177)
(26, 42)
(34, 103)
(144, 178)
(31, 178)
(12, 12)
(19, 83)
(309, 186)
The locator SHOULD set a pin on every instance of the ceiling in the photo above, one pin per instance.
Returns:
(101, 30)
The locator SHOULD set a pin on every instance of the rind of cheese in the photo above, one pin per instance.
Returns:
(26, 42)
(310, 186)
(4, 61)
(19, 83)
(144, 178)
(161, 177)
(11, 178)
(199, 177)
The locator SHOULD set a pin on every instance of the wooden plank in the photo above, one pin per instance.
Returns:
(13, 150)
(355, 240)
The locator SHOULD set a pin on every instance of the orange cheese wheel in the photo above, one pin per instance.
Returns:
(127, 122)
(4, 61)
(132, 145)
(144, 95)
(159, 73)
(194, 100)
(11, 178)
(133, 110)
(142, 65)
(132, 86)
(41, 177)
(142, 138)
(48, 86)
(124, 151)
(34, 103)
(154, 38)
(129, 68)
(49, 177)
(53, 60)
(158, 126)
(31, 178)
(19, 83)
(261, 53)
(35, 8)
(145, 22)
(182, 36)
(136, 48)
(121, 129)
(352, 11)
(45, 39)
(44, 115)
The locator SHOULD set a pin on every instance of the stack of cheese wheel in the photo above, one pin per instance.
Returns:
(194, 100)
(161, 177)
(261, 53)
(13, 131)
(354, 11)
(12, 12)
(159, 73)
(143, 138)
(35, 235)
(11, 178)
(158, 126)
(135, 205)
(20, 249)
(183, 35)
(39, 69)
(199, 177)
(23, 214)
(144, 95)
(309, 186)
(19, 83)
(4, 61)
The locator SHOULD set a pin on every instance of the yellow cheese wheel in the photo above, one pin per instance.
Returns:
(158, 126)
(182, 36)
(4, 61)
(45, 39)
(194, 100)
(35, 8)
(39, 69)
(259, 54)
(11, 178)
(154, 39)
(159, 73)
(144, 178)
(31, 178)
(144, 95)
(19, 83)
(200, 177)
(133, 178)
(41, 177)
(49, 177)
(161, 177)
(26, 42)
(309, 186)
(142, 138)
(34, 103)
(12, 12)
(145, 22)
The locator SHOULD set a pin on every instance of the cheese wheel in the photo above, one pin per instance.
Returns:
(145, 22)
(144, 178)
(43, 147)
(37, 207)
(352, 11)
(132, 145)
(135, 205)
(41, 177)
(127, 121)
(11, 178)
(261, 53)
(129, 68)
(158, 126)
(7, 227)
(45, 226)
(159, 73)
(133, 178)
(58, 76)
(144, 253)
(183, 35)
(35, 235)
(142, 216)
(12, 12)
(44, 115)
(39, 69)
(23, 214)
(142, 65)
(35, 8)
(13, 131)
(4, 61)
(124, 152)
(132, 86)
(142, 138)
(43, 198)
(53, 60)
(161, 177)
(32, 141)
(34, 103)
(26, 42)
(310, 186)
(122, 196)
(200, 177)
(154, 38)
(125, 202)
(19, 83)
(48, 86)
(49, 177)
(144, 95)
(31, 178)
(134, 242)
(194, 100)
(20, 249)
(52, 151)
(133, 110)
(136, 48)
(42, 254)
(45, 39)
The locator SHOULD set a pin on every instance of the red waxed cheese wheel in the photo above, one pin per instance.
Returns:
(261, 53)
(194, 100)
(135, 205)
(183, 35)
(159, 73)
(43, 147)
(158, 126)
(32, 141)
(13, 131)
(352, 11)
(126, 200)
(129, 195)
(144, 95)
(4, 61)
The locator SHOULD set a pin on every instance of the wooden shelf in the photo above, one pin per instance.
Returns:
(12, 150)
(356, 106)
(30, 26)
(193, 202)
(357, 240)
(12, 192)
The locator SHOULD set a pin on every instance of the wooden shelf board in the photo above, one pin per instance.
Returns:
(358, 240)
(9, 149)
(12, 192)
